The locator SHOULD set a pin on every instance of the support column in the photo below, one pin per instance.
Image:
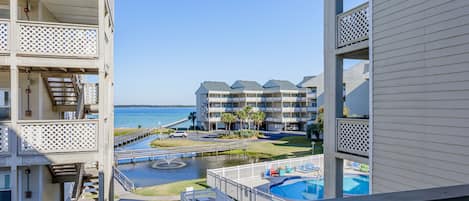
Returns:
(14, 103)
(333, 109)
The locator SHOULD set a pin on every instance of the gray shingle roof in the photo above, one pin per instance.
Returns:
(247, 85)
(216, 86)
(280, 85)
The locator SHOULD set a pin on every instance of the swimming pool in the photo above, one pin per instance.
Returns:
(313, 189)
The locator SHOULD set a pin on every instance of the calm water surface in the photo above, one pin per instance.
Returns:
(149, 117)
(144, 175)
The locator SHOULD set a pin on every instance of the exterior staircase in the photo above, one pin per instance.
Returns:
(63, 90)
(85, 179)
(69, 94)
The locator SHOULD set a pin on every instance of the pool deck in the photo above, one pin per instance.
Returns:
(258, 181)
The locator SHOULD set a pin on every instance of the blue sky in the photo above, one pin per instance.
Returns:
(164, 49)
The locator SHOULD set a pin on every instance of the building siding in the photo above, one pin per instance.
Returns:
(420, 94)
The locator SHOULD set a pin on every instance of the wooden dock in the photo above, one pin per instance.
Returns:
(125, 139)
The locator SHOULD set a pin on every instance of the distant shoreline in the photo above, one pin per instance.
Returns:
(154, 105)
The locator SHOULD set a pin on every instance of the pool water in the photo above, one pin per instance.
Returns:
(313, 189)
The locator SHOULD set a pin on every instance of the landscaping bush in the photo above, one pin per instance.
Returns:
(241, 134)
(163, 131)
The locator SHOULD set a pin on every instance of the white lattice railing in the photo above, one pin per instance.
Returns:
(4, 139)
(58, 136)
(4, 41)
(91, 93)
(353, 136)
(57, 39)
(353, 26)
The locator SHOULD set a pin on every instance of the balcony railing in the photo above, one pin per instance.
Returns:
(58, 136)
(4, 34)
(4, 143)
(353, 136)
(57, 39)
(219, 99)
(91, 93)
(353, 26)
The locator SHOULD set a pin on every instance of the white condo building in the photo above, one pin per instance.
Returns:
(287, 107)
(50, 148)
(355, 88)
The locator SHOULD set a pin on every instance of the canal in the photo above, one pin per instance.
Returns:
(143, 174)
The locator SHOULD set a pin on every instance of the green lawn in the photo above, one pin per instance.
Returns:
(172, 188)
(296, 146)
(177, 143)
(124, 131)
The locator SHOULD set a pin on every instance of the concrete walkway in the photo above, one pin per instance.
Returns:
(129, 196)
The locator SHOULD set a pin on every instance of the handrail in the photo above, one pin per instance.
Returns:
(348, 12)
(56, 121)
(128, 184)
(133, 154)
(87, 26)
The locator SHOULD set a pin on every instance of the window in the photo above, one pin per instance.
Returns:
(4, 104)
(4, 182)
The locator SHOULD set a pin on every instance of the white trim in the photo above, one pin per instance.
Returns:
(370, 69)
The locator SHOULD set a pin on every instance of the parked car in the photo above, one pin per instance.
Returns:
(178, 134)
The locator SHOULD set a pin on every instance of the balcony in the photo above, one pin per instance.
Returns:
(57, 136)
(294, 109)
(51, 39)
(293, 99)
(311, 95)
(217, 109)
(219, 99)
(312, 109)
(213, 119)
(273, 109)
(353, 26)
(353, 136)
(4, 143)
(57, 39)
(273, 99)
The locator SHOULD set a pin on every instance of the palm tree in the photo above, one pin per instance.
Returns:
(244, 115)
(258, 118)
(228, 119)
(192, 117)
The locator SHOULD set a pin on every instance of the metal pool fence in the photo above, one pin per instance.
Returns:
(227, 180)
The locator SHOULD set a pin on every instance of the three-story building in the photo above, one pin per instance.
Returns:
(50, 148)
(286, 106)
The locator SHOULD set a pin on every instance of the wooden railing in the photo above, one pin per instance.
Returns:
(124, 139)
(353, 26)
(353, 136)
(57, 39)
(58, 136)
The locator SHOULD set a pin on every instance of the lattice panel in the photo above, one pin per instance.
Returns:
(91, 93)
(4, 139)
(353, 26)
(59, 137)
(3, 37)
(353, 136)
(58, 40)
